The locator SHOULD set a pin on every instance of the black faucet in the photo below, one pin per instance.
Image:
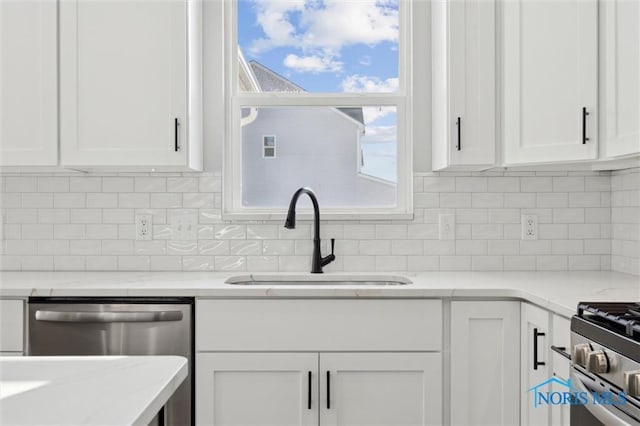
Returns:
(317, 261)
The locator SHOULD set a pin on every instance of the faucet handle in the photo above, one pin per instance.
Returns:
(333, 244)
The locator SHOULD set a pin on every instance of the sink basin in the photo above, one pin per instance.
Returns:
(311, 280)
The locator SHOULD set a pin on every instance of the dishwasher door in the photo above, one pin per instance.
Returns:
(118, 326)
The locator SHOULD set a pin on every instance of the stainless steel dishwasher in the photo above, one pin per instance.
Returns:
(118, 326)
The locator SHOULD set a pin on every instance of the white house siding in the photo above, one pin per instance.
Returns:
(316, 147)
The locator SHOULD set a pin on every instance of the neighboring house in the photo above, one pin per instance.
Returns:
(286, 148)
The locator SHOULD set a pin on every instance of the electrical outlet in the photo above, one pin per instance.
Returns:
(447, 227)
(144, 227)
(184, 225)
(529, 224)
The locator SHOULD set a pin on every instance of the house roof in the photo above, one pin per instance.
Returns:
(271, 81)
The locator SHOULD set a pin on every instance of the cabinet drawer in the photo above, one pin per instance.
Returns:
(318, 325)
(11, 325)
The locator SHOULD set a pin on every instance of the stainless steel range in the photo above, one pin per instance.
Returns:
(605, 341)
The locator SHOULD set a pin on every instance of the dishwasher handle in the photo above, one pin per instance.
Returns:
(107, 317)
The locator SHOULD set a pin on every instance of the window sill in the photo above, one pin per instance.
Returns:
(326, 215)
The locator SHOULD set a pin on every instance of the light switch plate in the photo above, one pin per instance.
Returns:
(184, 225)
(447, 227)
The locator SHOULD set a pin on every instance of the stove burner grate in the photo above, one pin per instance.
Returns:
(618, 316)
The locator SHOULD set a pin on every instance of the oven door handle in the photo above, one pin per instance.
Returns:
(598, 411)
(107, 317)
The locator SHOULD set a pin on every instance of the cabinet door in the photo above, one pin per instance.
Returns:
(464, 100)
(381, 389)
(261, 389)
(484, 365)
(123, 82)
(550, 74)
(620, 76)
(561, 337)
(28, 83)
(11, 326)
(534, 363)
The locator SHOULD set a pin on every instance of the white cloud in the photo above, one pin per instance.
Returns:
(365, 60)
(371, 114)
(340, 23)
(363, 83)
(323, 27)
(314, 64)
(381, 134)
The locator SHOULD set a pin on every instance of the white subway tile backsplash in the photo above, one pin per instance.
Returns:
(587, 221)
(53, 184)
(102, 200)
(117, 184)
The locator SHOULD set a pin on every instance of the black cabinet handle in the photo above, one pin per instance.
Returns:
(459, 146)
(561, 350)
(584, 125)
(536, 363)
(309, 391)
(328, 390)
(176, 124)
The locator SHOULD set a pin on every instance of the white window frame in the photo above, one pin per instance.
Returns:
(235, 100)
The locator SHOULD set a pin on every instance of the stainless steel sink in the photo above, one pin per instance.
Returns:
(326, 280)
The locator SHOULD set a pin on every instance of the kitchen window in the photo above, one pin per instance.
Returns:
(332, 80)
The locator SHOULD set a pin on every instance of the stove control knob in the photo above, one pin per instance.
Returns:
(580, 352)
(597, 362)
(631, 383)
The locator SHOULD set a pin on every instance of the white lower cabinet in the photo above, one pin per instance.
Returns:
(535, 366)
(336, 388)
(256, 389)
(380, 389)
(485, 366)
(11, 327)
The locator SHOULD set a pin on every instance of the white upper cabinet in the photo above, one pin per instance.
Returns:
(550, 81)
(464, 84)
(28, 83)
(127, 75)
(620, 77)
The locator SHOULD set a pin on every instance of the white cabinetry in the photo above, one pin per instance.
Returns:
(284, 362)
(561, 365)
(620, 77)
(484, 365)
(399, 389)
(341, 388)
(257, 389)
(11, 327)
(28, 83)
(534, 363)
(464, 84)
(128, 74)
(550, 71)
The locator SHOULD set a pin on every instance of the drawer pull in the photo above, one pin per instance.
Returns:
(561, 350)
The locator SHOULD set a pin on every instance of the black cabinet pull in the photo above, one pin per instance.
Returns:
(459, 146)
(584, 125)
(176, 124)
(561, 350)
(536, 363)
(309, 391)
(328, 390)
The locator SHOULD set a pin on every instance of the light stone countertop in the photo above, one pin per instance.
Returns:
(557, 291)
(87, 390)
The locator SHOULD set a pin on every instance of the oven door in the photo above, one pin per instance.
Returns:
(599, 414)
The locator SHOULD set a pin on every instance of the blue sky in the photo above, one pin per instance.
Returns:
(324, 46)
(332, 46)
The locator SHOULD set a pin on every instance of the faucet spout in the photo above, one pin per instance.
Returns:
(317, 261)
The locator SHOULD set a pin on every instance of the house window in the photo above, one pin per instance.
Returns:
(269, 146)
(331, 80)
